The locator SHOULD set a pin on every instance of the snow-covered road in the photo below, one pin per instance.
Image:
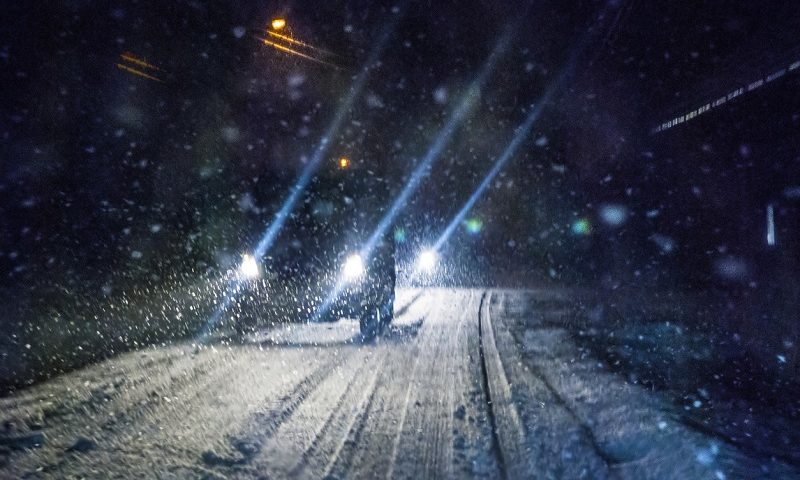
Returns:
(467, 383)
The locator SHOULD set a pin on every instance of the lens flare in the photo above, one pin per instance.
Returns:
(614, 215)
(399, 234)
(474, 225)
(519, 137)
(581, 227)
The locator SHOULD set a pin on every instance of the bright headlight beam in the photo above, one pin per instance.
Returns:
(322, 148)
(519, 137)
(268, 238)
(467, 102)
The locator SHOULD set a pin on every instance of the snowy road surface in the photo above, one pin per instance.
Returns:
(468, 383)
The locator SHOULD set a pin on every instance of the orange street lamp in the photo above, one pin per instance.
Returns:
(278, 24)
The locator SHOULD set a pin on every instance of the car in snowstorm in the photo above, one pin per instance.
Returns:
(331, 259)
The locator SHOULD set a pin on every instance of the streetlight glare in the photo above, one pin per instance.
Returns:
(278, 24)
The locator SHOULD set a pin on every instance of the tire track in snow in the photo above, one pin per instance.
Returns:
(249, 444)
(536, 434)
(565, 405)
(496, 449)
(426, 442)
(314, 446)
(341, 460)
(404, 413)
(107, 422)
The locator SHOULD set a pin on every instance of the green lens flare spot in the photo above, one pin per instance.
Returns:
(581, 227)
(399, 234)
(473, 225)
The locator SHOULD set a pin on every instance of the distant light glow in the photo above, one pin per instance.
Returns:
(344, 163)
(127, 56)
(287, 44)
(248, 269)
(614, 215)
(665, 243)
(294, 41)
(138, 66)
(292, 51)
(353, 267)
(399, 234)
(473, 225)
(581, 227)
(732, 269)
(426, 262)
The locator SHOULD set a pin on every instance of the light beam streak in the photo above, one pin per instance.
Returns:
(468, 101)
(135, 60)
(138, 72)
(519, 137)
(292, 51)
(465, 105)
(308, 172)
(722, 98)
(271, 233)
(289, 39)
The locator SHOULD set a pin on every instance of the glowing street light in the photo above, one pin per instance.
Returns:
(278, 24)
(344, 163)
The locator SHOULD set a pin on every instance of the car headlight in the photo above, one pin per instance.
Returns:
(353, 267)
(248, 269)
(426, 262)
